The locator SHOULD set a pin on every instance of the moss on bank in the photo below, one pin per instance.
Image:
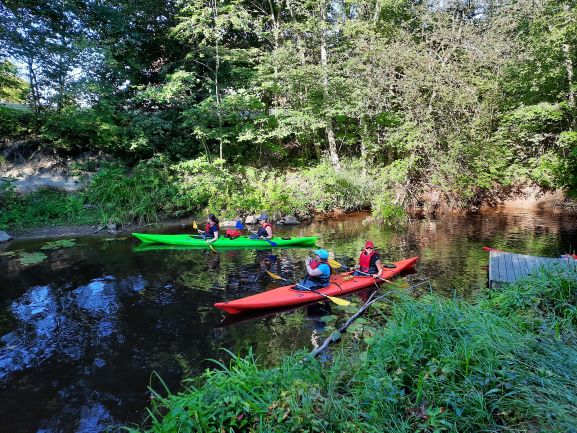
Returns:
(437, 365)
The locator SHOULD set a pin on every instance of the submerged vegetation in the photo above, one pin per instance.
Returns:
(430, 365)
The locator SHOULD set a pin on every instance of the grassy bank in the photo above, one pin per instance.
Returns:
(436, 365)
(157, 189)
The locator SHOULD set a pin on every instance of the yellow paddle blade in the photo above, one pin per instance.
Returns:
(274, 276)
(194, 225)
(339, 301)
(334, 264)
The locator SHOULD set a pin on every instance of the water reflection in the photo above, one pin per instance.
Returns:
(82, 332)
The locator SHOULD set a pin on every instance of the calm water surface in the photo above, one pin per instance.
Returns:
(85, 324)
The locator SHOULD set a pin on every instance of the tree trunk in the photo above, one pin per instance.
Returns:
(216, 70)
(364, 136)
(33, 86)
(569, 68)
(333, 154)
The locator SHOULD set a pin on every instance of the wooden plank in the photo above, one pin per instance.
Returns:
(492, 264)
(532, 263)
(510, 272)
(525, 262)
(499, 267)
(518, 267)
(509, 267)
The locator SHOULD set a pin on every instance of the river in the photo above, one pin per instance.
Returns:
(87, 323)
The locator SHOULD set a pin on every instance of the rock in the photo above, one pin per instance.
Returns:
(112, 226)
(290, 220)
(89, 206)
(228, 223)
(5, 237)
(251, 219)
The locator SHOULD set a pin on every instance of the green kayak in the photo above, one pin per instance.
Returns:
(242, 241)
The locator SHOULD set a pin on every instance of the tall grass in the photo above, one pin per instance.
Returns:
(439, 365)
(545, 302)
(43, 207)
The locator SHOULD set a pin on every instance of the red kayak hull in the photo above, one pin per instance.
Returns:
(286, 296)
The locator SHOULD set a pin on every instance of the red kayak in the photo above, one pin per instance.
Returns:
(286, 296)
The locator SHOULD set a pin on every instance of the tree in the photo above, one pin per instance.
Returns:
(12, 87)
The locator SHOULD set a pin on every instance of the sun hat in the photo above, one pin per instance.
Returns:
(369, 244)
(323, 254)
(263, 216)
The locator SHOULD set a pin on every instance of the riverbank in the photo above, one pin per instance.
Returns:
(426, 364)
(157, 191)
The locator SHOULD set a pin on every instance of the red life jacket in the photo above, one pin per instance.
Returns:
(207, 227)
(324, 281)
(262, 229)
(365, 261)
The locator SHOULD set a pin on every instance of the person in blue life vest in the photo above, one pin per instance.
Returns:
(318, 272)
(265, 229)
(210, 232)
(369, 262)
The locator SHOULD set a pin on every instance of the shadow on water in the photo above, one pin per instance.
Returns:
(84, 323)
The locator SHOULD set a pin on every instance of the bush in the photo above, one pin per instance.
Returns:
(143, 195)
(15, 122)
(43, 207)
(77, 130)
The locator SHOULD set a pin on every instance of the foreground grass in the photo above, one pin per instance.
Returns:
(437, 365)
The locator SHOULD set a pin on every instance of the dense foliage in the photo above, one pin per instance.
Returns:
(448, 102)
(437, 365)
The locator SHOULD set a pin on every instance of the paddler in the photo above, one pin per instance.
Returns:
(318, 271)
(210, 232)
(265, 229)
(369, 262)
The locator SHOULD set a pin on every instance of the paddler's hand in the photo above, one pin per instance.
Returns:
(308, 261)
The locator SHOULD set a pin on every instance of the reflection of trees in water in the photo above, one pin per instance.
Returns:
(65, 324)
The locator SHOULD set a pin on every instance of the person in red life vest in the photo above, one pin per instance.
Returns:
(369, 262)
(318, 272)
(265, 229)
(210, 232)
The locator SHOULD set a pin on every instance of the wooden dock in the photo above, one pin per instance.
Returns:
(509, 267)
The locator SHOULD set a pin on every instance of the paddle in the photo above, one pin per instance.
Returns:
(336, 265)
(337, 301)
(195, 227)
(240, 225)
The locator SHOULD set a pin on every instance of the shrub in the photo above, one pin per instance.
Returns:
(15, 122)
(42, 207)
(144, 194)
